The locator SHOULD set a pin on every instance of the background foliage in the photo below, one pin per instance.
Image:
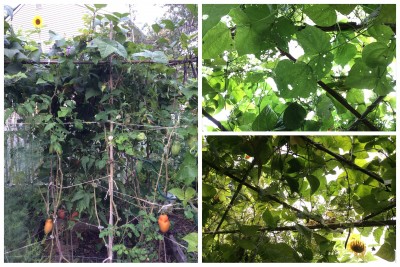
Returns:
(299, 67)
(295, 199)
(64, 112)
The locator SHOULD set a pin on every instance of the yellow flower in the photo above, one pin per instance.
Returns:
(37, 22)
(356, 245)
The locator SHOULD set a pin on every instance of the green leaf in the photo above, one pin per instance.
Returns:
(295, 79)
(377, 54)
(156, 56)
(265, 121)
(305, 231)
(49, 127)
(247, 244)
(314, 41)
(269, 219)
(156, 28)
(91, 93)
(314, 183)
(386, 252)
(381, 32)
(355, 96)
(189, 193)
(208, 191)
(178, 192)
(216, 41)
(192, 240)
(63, 112)
(361, 76)
(294, 115)
(345, 9)
(107, 47)
(100, 6)
(344, 53)
(168, 24)
(212, 15)
(321, 14)
(249, 230)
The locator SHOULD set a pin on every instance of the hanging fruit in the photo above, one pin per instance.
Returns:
(48, 226)
(164, 223)
(74, 215)
(61, 214)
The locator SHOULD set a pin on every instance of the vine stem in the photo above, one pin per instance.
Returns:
(332, 226)
(111, 159)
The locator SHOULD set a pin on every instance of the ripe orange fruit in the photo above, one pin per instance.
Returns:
(73, 215)
(48, 226)
(164, 223)
(61, 214)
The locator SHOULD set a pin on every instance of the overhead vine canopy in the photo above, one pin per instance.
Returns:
(299, 199)
(299, 67)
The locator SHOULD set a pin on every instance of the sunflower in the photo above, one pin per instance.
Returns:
(356, 245)
(37, 22)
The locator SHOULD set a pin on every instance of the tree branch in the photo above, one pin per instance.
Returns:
(241, 182)
(337, 96)
(271, 197)
(332, 226)
(391, 206)
(344, 160)
(346, 26)
(369, 109)
(212, 119)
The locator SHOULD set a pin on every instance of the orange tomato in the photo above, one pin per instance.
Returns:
(48, 226)
(164, 223)
(73, 215)
(61, 214)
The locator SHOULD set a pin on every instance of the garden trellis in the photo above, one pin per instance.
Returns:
(101, 115)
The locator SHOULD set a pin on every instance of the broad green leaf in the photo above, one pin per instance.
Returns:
(265, 121)
(100, 6)
(107, 47)
(321, 64)
(269, 219)
(381, 32)
(156, 28)
(279, 252)
(314, 183)
(344, 53)
(345, 9)
(386, 252)
(313, 40)
(192, 240)
(156, 56)
(212, 15)
(208, 191)
(63, 112)
(377, 54)
(281, 32)
(168, 24)
(247, 244)
(305, 231)
(178, 192)
(91, 93)
(294, 116)
(361, 76)
(321, 14)
(216, 41)
(189, 193)
(249, 230)
(295, 79)
(49, 126)
(355, 96)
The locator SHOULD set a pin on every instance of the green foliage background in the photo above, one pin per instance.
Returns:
(281, 199)
(343, 79)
